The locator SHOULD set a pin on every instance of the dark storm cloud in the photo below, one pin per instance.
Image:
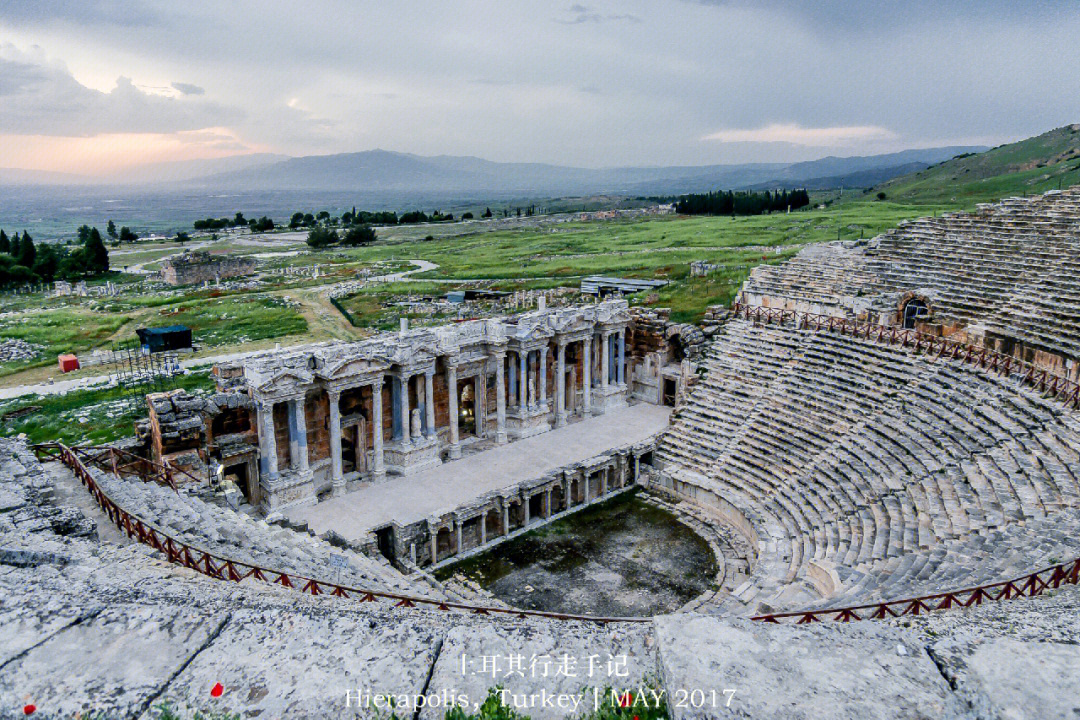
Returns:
(598, 82)
(188, 89)
(42, 98)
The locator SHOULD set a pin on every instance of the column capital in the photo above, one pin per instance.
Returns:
(333, 393)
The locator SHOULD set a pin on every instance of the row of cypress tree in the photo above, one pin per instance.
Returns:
(727, 202)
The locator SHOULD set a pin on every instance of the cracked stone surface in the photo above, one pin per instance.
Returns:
(861, 671)
(116, 662)
(532, 659)
(274, 663)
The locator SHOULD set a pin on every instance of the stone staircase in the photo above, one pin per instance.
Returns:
(236, 535)
(1013, 265)
(888, 472)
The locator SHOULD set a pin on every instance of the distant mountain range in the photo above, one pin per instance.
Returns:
(385, 174)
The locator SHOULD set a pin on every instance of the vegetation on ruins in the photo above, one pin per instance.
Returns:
(81, 417)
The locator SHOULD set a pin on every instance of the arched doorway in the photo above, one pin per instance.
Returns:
(558, 499)
(467, 408)
(915, 310)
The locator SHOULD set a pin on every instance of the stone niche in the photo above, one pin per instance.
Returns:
(200, 266)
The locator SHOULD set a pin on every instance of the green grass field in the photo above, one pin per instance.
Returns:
(1035, 165)
(659, 247)
(58, 331)
(235, 319)
(83, 416)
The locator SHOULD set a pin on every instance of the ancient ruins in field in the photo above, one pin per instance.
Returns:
(199, 266)
(882, 431)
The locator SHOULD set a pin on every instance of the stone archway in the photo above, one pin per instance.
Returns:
(913, 311)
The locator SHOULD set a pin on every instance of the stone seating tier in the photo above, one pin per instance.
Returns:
(238, 536)
(872, 462)
(1012, 266)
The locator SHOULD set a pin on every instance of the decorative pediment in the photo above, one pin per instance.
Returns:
(284, 382)
(350, 367)
(531, 333)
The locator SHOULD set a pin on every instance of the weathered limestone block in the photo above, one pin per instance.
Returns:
(116, 662)
(281, 664)
(864, 670)
(30, 618)
(631, 649)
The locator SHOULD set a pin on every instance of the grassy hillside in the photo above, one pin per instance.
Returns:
(1035, 165)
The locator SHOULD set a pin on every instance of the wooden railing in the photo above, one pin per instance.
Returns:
(220, 567)
(1030, 585)
(123, 463)
(1041, 379)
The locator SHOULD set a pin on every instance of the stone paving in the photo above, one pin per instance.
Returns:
(114, 631)
(451, 485)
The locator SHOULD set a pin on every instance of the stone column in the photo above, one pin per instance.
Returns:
(605, 359)
(395, 408)
(547, 503)
(301, 434)
(434, 532)
(451, 385)
(513, 383)
(506, 517)
(429, 400)
(337, 479)
(268, 460)
(560, 383)
(404, 411)
(586, 380)
(525, 510)
(523, 380)
(483, 527)
(377, 468)
(622, 359)
(480, 401)
(500, 399)
(294, 441)
(542, 380)
(585, 488)
(457, 534)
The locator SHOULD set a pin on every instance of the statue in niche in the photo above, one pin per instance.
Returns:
(532, 392)
(416, 423)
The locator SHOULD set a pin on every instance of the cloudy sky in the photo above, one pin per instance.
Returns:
(91, 86)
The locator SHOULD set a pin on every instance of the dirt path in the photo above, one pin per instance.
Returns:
(324, 320)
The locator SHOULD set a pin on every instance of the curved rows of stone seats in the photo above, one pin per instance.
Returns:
(865, 471)
(1011, 264)
(235, 535)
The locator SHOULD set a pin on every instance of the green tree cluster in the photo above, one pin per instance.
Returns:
(322, 236)
(741, 203)
(23, 261)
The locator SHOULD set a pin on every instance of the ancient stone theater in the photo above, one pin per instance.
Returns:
(879, 442)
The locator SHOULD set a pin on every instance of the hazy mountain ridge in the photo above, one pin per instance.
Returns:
(385, 173)
(1033, 165)
(377, 171)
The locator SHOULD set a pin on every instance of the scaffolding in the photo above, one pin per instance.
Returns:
(140, 372)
